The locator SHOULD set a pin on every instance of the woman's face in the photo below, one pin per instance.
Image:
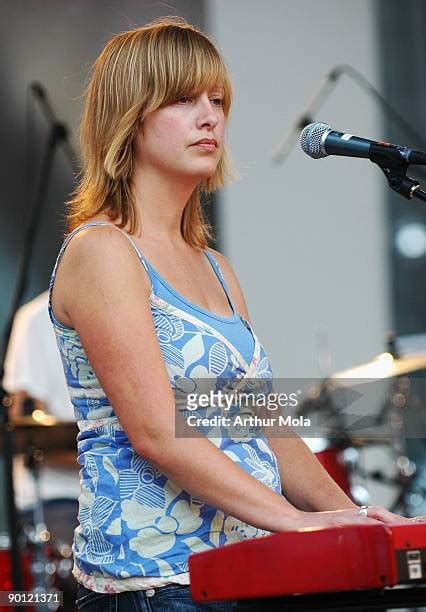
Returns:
(166, 140)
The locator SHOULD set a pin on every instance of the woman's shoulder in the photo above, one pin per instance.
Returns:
(97, 256)
(221, 260)
(100, 249)
(96, 235)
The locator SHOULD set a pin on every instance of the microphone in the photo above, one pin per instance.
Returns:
(320, 140)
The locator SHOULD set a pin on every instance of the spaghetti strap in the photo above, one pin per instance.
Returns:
(64, 246)
(220, 276)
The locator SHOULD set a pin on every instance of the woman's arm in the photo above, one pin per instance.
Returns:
(104, 290)
(306, 484)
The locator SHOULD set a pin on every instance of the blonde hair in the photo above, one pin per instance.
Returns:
(137, 72)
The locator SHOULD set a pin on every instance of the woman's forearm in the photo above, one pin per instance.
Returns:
(306, 484)
(203, 470)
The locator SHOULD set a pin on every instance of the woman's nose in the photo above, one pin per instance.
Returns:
(207, 113)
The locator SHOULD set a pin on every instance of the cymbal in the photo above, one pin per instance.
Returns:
(42, 431)
(385, 365)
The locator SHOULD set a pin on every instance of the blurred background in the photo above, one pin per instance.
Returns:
(315, 243)
(329, 258)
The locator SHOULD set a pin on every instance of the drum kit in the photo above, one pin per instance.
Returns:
(46, 528)
(398, 456)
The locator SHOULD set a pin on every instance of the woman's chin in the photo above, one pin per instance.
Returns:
(196, 174)
(206, 172)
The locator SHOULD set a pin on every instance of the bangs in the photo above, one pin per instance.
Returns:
(186, 63)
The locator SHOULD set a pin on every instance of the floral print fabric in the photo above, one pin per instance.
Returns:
(134, 522)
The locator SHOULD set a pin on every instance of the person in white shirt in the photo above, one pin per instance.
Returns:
(33, 370)
(33, 366)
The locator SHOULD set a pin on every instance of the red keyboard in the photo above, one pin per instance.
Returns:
(312, 561)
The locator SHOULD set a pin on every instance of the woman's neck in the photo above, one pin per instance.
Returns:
(160, 203)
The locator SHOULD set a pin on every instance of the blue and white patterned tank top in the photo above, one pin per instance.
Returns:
(136, 526)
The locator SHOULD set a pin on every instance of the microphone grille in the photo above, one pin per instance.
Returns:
(311, 137)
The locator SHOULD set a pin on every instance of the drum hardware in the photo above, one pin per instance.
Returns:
(322, 401)
(45, 531)
(38, 535)
(358, 476)
(50, 541)
(7, 452)
(336, 451)
(390, 341)
(357, 490)
(407, 470)
(385, 365)
(43, 431)
(393, 411)
(389, 365)
(60, 516)
(402, 482)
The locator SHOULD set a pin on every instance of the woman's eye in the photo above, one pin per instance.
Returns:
(217, 101)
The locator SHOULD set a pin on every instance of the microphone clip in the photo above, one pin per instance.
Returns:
(395, 172)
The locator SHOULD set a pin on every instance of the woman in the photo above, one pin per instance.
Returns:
(131, 335)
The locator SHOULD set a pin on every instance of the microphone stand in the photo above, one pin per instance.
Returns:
(58, 134)
(325, 88)
(395, 172)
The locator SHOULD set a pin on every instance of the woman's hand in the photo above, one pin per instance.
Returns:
(337, 518)
(383, 515)
(333, 518)
(417, 519)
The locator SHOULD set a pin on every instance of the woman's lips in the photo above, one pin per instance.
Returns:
(205, 145)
